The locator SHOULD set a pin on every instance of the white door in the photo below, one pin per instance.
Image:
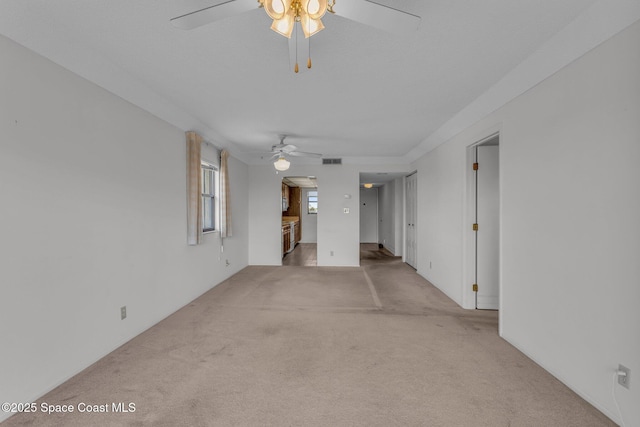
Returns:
(488, 219)
(411, 204)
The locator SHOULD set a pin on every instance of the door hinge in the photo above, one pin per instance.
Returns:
(475, 227)
(475, 287)
(475, 166)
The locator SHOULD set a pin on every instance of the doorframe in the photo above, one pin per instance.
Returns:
(404, 221)
(280, 181)
(468, 235)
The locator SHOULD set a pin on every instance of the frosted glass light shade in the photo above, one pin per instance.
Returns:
(315, 8)
(276, 9)
(281, 164)
(310, 26)
(284, 26)
(368, 185)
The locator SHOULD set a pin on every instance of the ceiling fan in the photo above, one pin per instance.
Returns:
(301, 18)
(280, 152)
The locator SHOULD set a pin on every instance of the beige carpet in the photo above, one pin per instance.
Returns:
(314, 346)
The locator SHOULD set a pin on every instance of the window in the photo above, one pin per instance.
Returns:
(312, 202)
(209, 199)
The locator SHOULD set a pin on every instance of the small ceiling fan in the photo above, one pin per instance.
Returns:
(302, 18)
(280, 152)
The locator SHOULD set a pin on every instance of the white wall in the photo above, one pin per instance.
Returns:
(570, 236)
(337, 231)
(439, 219)
(368, 215)
(309, 221)
(93, 218)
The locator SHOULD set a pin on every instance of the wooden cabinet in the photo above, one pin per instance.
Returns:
(291, 226)
(285, 197)
(286, 239)
(291, 233)
(291, 200)
(294, 202)
(297, 231)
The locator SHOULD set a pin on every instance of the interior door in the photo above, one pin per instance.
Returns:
(411, 212)
(488, 220)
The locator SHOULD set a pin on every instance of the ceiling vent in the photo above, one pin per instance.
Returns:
(331, 161)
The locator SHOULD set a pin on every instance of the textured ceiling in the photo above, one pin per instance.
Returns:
(370, 93)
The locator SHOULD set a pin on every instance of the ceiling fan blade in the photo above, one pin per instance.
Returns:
(377, 15)
(288, 148)
(303, 154)
(204, 16)
(276, 156)
(299, 45)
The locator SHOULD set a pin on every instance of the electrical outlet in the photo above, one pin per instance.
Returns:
(429, 264)
(123, 312)
(227, 263)
(624, 379)
(346, 210)
(331, 253)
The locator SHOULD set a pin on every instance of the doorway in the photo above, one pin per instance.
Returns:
(299, 221)
(381, 211)
(484, 215)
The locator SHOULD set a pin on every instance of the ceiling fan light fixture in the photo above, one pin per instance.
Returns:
(286, 12)
(281, 164)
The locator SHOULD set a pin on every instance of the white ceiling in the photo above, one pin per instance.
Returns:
(369, 94)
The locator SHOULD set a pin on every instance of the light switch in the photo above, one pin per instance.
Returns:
(346, 210)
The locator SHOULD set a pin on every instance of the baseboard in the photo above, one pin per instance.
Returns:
(424, 276)
(586, 396)
(56, 384)
(488, 302)
(390, 249)
(33, 398)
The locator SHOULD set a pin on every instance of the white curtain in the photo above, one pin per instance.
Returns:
(225, 196)
(194, 189)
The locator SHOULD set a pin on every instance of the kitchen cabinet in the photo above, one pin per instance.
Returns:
(285, 197)
(291, 233)
(286, 238)
(291, 226)
(297, 232)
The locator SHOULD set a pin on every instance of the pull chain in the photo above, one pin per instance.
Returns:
(309, 59)
(295, 28)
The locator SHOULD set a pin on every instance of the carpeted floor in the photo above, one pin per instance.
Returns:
(320, 346)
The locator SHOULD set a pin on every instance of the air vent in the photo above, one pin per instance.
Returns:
(331, 161)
